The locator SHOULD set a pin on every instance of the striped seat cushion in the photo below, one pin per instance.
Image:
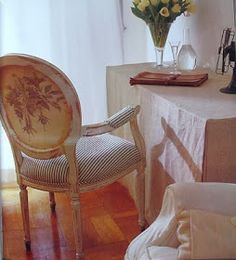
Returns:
(99, 158)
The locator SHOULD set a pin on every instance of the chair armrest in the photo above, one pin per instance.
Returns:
(123, 116)
(96, 129)
(117, 120)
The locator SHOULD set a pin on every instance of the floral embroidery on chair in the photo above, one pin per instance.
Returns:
(31, 96)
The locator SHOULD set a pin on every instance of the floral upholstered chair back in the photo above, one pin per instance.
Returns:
(40, 109)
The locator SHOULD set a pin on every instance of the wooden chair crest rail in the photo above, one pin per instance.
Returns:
(41, 114)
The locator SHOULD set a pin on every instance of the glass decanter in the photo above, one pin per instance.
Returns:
(187, 57)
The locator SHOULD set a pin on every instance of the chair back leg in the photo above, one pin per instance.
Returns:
(52, 201)
(25, 215)
(140, 195)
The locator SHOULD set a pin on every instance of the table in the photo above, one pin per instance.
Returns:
(189, 132)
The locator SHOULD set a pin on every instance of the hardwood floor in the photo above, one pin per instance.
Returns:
(109, 224)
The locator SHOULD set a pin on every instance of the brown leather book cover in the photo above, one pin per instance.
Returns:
(153, 78)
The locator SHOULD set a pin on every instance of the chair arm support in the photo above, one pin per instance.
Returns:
(123, 116)
(113, 122)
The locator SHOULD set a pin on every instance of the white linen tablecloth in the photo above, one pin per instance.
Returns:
(189, 132)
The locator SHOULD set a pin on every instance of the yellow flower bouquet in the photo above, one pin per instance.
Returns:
(161, 11)
(159, 15)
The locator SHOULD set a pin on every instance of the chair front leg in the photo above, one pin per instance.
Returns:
(77, 228)
(25, 215)
(52, 201)
(140, 196)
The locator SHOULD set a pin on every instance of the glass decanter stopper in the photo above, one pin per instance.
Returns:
(187, 57)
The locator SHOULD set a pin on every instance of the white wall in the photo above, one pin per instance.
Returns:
(207, 24)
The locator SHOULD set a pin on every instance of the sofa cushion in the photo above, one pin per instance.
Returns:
(206, 235)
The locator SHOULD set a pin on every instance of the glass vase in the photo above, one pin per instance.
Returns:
(159, 32)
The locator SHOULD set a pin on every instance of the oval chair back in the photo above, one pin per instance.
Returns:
(39, 107)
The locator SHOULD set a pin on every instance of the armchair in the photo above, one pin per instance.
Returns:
(41, 114)
(163, 239)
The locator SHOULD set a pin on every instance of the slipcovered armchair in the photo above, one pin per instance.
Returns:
(196, 221)
(53, 151)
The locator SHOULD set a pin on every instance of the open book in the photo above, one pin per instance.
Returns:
(154, 78)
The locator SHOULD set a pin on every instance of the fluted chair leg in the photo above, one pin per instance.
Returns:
(77, 228)
(52, 201)
(25, 215)
(140, 196)
(140, 192)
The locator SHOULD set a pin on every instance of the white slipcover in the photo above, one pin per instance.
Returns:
(159, 240)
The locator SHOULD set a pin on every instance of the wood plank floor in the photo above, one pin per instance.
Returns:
(109, 223)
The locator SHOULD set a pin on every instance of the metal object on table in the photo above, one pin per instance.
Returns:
(227, 58)
(223, 62)
(227, 55)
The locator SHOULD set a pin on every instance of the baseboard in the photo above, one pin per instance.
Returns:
(9, 185)
(7, 178)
